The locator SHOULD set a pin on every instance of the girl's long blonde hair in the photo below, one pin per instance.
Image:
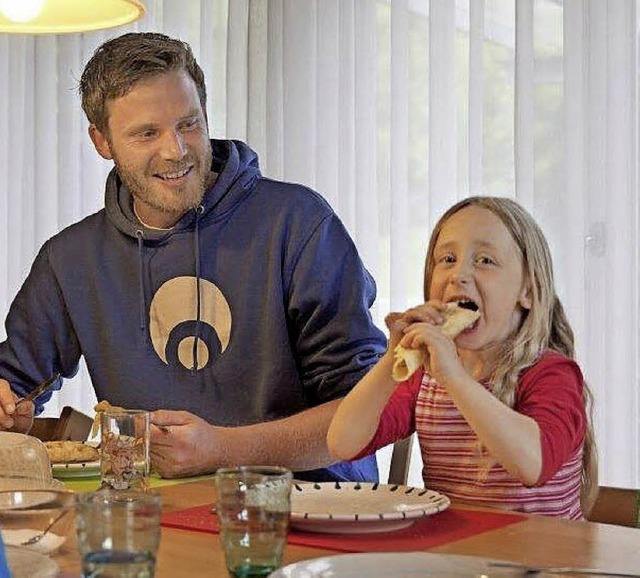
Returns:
(544, 326)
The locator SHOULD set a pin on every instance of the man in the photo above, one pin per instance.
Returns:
(234, 306)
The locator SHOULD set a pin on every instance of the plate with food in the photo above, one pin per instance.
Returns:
(359, 507)
(73, 459)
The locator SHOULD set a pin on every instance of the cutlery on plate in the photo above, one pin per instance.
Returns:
(44, 386)
(535, 570)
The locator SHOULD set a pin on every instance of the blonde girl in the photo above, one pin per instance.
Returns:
(502, 412)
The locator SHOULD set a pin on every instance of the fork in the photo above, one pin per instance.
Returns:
(35, 539)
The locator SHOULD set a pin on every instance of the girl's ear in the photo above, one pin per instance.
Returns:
(525, 296)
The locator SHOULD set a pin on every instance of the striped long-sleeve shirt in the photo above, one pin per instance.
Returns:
(550, 392)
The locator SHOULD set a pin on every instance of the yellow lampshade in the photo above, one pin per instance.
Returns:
(62, 16)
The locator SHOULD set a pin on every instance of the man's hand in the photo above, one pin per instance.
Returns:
(12, 418)
(182, 444)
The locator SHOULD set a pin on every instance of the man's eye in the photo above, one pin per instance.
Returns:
(189, 124)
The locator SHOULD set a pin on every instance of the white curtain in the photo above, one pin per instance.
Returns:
(393, 110)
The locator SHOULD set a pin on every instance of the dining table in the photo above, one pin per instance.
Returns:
(531, 540)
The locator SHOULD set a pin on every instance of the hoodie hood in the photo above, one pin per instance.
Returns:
(237, 167)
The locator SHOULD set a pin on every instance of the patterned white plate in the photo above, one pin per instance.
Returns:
(76, 470)
(356, 507)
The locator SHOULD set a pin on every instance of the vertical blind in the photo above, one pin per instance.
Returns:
(393, 110)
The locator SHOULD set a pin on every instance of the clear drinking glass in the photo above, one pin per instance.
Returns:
(118, 532)
(253, 505)
(124, 449)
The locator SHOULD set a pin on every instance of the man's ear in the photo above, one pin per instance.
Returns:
(100, 142)
(525, 296)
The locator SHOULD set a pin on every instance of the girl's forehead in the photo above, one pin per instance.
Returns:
(475, 225)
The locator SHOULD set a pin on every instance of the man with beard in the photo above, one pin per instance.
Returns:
(233, 306)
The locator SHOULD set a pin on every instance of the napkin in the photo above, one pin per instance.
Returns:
(428, 532)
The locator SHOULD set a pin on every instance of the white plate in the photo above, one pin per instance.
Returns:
(76, 470)
(393, 565)
(25, 563)
(357, 507)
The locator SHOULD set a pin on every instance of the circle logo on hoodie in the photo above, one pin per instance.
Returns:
(174, 322)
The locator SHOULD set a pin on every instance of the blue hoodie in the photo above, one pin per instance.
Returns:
(255, 306)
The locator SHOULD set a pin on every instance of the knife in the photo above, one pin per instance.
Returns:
(534, 570)
(44, 386)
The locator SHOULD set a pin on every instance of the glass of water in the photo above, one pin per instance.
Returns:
(253, 505)
(118, 532)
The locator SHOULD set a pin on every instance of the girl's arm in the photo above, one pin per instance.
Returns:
(356, 420)
(513, 439)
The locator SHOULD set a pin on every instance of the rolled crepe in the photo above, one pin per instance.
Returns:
(407, 361)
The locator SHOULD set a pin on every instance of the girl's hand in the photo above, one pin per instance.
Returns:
(398, 322)
(444, 364)
(396, 327)
(429, 312)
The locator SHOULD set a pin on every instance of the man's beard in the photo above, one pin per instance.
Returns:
(149, 190)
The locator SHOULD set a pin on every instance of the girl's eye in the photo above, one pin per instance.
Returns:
(447, 258)
(486, 260)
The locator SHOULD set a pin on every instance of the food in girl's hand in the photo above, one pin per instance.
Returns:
(457, 318)
(62, 452)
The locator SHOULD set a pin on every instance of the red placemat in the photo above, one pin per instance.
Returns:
(429, 532)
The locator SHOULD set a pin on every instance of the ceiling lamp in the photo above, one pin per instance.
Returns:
(63, 16)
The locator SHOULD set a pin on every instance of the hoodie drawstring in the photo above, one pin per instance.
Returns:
(140, 235)
(199, 212)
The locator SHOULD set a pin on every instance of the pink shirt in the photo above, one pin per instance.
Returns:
(550, 392)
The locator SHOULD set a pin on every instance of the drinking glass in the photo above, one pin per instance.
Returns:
(118, 532)
(253, 506)
(124, 454)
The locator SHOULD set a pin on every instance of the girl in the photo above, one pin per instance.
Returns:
(502, 413)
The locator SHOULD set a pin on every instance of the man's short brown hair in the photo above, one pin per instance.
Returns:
(118, 64)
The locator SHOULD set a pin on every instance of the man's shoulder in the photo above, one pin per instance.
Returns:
(86, 226)
(294, 196)
(79, 235)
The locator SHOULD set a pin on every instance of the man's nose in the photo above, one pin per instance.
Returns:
(173, 146)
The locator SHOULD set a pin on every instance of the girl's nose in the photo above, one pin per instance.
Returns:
(461, 273)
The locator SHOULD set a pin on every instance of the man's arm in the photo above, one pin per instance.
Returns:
(188, 445)
(41, 338)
